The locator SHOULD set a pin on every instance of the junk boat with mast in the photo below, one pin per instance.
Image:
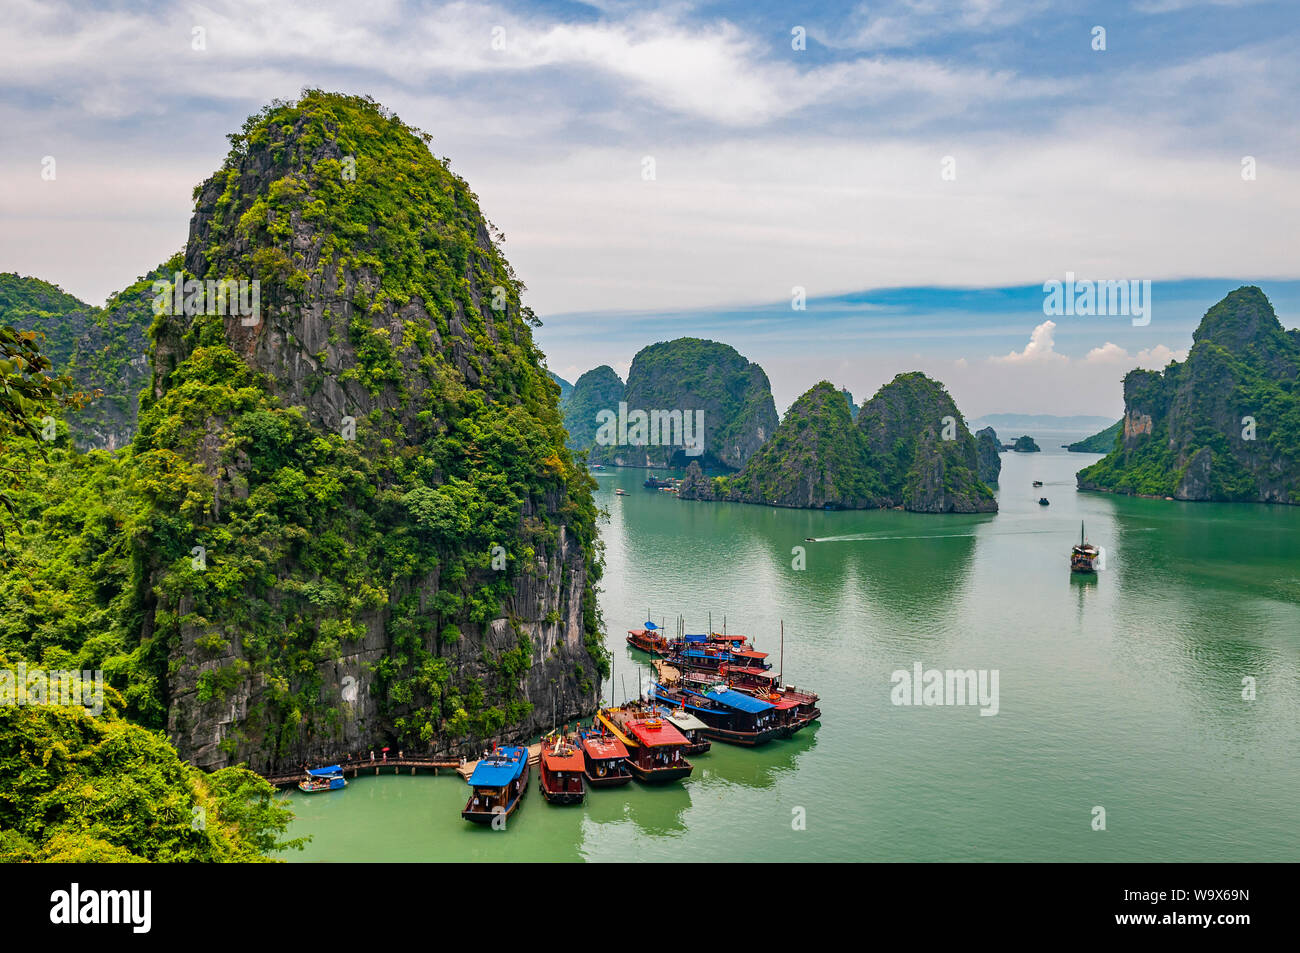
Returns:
(1084, 555)
(732, 659)
(656, 749)
(728, 715)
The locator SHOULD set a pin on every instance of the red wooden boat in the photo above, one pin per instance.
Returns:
(648, 639)
(605, 759)
(560, 771)
(656, 750)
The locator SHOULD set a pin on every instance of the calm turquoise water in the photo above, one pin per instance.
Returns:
(1124, 692)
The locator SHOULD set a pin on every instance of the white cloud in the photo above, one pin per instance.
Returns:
(1155, 358)
(1039, 350)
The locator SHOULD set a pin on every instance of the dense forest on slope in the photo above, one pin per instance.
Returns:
(690, 374)
(908, 448)
(816, 458)
(1222, 425)
(927, 456)
(103, 349)
(566, 389)
(368, 485)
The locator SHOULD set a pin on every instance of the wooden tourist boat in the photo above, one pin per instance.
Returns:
(655, 748)
(499, 783)
(728, 715)
(765, 684)
(323, 779)
(1083, 555)
(650, 638)
(560, 771)
(605, 759)
(692, 729)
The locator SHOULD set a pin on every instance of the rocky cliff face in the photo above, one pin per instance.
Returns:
(367, 529)
(1224, 424)
(987, 447)
(689, 375)
(103, 350)
(598, 389)
(921, 446)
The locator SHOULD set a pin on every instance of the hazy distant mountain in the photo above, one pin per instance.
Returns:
(565, 387)
(1022, 422)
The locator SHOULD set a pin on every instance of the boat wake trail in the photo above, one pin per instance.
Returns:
(868, 538)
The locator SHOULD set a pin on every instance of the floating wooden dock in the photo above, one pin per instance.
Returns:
(354, 768)
(534, 758)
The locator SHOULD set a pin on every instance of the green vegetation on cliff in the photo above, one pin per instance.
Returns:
(77, 788)
(817, 457)
(690, 374)
(908, 448)
(368, 481)
(103, 350)
(1103, 442)
(1222, 425)
(926, 455)
(598, 389)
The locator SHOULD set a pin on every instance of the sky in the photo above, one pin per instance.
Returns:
(917, 169)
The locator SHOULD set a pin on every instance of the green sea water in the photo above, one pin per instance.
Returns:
(1123, 692)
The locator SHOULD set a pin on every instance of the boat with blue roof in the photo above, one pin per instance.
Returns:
(499, 782)
(323, 779)
(728, 715)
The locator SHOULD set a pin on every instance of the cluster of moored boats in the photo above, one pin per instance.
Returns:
(708, 687)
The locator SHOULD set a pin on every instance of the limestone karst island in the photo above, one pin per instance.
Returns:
(605, 433)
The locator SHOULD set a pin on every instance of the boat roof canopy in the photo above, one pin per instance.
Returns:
(684, 720)
(571, 761)
(740, 700)
(656, 732)
(499, 768)
(650, 625)
(602, 747)
(325, 772)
